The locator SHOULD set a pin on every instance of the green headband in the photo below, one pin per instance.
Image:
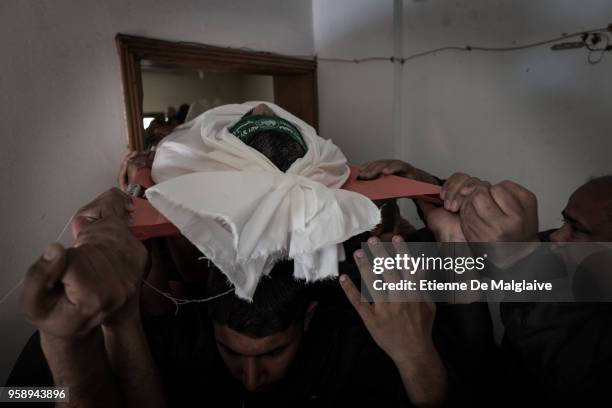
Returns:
(252, 124)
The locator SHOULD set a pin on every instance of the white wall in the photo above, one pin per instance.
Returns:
(63, 128)
(537, 117)
(355, 101)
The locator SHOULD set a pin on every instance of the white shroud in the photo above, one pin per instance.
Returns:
(245, 214)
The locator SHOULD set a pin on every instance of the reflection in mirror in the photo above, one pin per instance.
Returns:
(175, 95)
(224, 75)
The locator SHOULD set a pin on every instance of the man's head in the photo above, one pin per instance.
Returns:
(588, 213)
(258, 341)
(281, 144)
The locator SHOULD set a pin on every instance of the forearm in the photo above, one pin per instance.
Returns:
(424, 378)
(426, 177)
(81, 365)
(133, 365)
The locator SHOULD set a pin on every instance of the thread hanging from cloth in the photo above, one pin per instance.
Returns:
(179, 302)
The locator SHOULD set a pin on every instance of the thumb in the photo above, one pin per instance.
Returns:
(39, 292)
(78, 222)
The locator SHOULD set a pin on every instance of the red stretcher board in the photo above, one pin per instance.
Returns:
(149, 223)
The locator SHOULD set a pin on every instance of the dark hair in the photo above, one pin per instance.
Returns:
(181, 114)
(279, 301)
(278, 147)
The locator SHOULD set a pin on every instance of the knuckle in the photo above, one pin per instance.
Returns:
(479, 199)
(472, 181)
(530, 196)
(496, 189)
(460, 176)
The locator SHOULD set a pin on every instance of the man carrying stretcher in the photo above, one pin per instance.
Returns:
(257, 192)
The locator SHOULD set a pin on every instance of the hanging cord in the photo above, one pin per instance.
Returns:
(10, 292)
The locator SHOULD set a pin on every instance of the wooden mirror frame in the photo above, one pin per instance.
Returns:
(295, 79)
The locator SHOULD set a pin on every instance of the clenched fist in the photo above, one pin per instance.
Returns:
(69, 292)
(505, 212)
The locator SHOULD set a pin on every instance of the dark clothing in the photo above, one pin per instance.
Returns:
(338, 363)
(30, 370)
(559, 354)
(31, 367)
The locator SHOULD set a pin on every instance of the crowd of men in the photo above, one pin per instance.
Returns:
(115, 342)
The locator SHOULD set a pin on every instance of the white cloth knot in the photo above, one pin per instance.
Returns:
(243, 213)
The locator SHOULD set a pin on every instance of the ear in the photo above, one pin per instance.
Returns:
(310, 309)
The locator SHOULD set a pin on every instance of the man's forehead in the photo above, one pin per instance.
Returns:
(252, 346)
(590, 203)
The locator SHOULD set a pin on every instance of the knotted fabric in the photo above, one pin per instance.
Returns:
(243, 213)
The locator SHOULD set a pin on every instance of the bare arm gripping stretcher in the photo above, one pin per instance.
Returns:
(149, 223)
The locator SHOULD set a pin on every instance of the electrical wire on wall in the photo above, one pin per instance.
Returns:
(596, 41)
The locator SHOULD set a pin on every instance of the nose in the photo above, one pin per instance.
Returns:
(563, 234)
(263, 109)
(250, 373)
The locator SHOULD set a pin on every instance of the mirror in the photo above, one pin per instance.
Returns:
(172, 96)
(166, 82)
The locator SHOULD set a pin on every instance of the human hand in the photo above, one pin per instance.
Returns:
(445, 225)
(401, 329)
(392, 223)
(133, 162)
(457, 188)
(378, 168)
(505, 212)
(112, 202)
(69, 292)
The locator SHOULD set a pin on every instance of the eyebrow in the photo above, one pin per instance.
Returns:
(275, 349)
(574, 221)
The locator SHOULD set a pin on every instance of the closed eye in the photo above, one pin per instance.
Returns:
(575, 225)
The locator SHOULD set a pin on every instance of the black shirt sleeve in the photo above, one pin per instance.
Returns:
(30, 370)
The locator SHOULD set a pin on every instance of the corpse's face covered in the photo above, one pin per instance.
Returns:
(258, 363)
